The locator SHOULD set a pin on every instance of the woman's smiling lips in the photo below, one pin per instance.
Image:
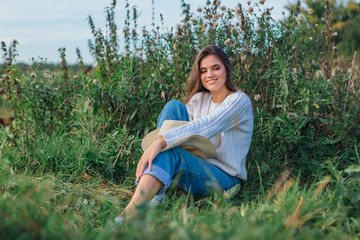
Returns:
(211, 81)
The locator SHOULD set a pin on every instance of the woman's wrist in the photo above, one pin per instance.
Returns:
(162, 141)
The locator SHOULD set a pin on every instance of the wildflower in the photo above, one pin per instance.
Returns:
(316, 26)
(334, 34)
(32, 75)
(334, 48)
(311, 39)
(316, 105)
(232, 30)
(223, 8)
(95, 81)
(248, 2)
(310, 11)
(57, 89)
(215, 16)
(199, 9)
(204, 25)
(250, 10)
(218, 3)
(261, 1)
(163, 96)
(237, 11)
(193, 20)
(230, 59)
(174, 46)
(215, 25)
(232, 10)
(228, 41)
(75, 77)
(257, 97)
(258, 29)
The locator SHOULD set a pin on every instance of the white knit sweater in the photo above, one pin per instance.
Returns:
(228, 125)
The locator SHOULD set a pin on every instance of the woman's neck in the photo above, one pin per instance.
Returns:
(219, 95)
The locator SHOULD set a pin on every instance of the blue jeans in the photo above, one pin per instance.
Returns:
(183, 168)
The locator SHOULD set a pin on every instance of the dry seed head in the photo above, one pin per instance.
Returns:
(334, 34)
(257, 97)
(232, 10)
(32, 75)
(310, 11)
(218, 3)
(215, 16)
(232, 30)
(95, 81)
(316, 26)
(163, 96)
(262, 1)
(199, 9)
(127, 54)
(300, 18)
(193, 20)
(215, 25)
(204, 25)
(237, 11)
(223, 8)
(250, 10)
(248, 2)
(75, 77)
(294, 219)
(258, 29)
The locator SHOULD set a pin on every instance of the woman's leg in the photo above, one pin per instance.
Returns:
(148, 185)
(146, 189)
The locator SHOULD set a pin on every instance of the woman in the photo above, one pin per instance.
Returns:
(216, 111)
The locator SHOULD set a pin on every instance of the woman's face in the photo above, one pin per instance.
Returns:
(213, 73)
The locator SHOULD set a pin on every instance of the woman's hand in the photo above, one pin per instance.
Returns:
(149, 155)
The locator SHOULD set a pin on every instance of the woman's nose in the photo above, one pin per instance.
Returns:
(210, 73)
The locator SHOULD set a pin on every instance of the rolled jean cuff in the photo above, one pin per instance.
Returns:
(159, 174)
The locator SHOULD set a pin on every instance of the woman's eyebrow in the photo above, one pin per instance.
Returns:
(215, 65)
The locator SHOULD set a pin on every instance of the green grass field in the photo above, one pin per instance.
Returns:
(67, 161)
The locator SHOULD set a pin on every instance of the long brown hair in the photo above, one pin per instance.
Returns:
(194, 84)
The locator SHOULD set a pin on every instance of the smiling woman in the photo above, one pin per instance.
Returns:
(215, 116)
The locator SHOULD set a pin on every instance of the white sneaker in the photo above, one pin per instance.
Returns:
(118, 221)
(158, 199)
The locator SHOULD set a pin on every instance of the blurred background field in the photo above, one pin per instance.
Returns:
(71, 134)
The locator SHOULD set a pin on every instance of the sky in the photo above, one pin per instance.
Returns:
(43, 26)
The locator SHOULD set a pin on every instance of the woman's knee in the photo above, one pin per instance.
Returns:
(175, 104)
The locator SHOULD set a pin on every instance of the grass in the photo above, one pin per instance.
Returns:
(67, 161)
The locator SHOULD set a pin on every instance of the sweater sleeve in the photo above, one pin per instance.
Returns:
(233, 112)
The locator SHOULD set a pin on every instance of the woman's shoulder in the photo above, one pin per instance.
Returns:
(240, 96)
